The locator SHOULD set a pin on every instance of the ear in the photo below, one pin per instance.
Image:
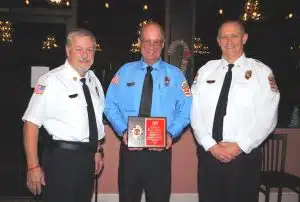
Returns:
(245, 38)
(218, 40)
(139, 42)
(67, 51)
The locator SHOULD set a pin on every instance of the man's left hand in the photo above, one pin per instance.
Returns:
(168, 145)
(98, 162)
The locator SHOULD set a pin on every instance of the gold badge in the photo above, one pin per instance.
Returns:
(74, 78)
(248, 74)
(167, 81)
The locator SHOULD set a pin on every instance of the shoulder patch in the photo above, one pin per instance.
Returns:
(39, 89)
(272, 83)
(115, 80)
(186, 89)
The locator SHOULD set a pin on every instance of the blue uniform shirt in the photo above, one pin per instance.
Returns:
(171, 96)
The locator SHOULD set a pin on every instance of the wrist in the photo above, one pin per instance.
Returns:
(33, 168)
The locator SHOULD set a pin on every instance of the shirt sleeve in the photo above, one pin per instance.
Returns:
(36, 110)
(112, 110)
(266, 107)
(182, 108)
(100, 123)
(201, 132)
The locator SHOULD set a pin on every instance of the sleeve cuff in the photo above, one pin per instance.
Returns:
(207, 142)
(245, 145)
(32, 120)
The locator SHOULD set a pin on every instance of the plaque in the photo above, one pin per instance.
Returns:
(147, 132)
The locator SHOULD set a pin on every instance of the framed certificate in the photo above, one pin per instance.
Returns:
(147, 132)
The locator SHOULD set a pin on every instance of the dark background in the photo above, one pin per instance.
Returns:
(116, 28)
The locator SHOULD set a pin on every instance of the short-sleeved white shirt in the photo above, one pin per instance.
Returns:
(58, 103)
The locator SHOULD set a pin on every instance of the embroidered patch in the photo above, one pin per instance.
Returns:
(248, 74)
(186, 89)
(115, 80)
(39, 89)
(272, 83)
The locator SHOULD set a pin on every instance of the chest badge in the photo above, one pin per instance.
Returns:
(248, 74)
(167, 81)
(74, 78)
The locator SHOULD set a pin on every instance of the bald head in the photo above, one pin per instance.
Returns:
(151, 25)
(238, 24)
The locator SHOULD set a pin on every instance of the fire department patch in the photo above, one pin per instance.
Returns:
(115, 80)
(186, 89)
(248, 74)
(272, 83)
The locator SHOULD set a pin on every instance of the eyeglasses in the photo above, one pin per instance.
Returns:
(149, 43)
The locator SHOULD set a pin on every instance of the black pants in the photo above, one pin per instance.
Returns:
(237, 181)
(144, 170)
(69, 175)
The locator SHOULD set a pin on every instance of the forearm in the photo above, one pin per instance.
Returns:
(30, 131)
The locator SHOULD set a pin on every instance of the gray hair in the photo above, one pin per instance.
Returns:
(82, 33)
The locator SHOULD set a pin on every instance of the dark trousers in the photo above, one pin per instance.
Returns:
(69, 175)
(237, 181)
(144, 170)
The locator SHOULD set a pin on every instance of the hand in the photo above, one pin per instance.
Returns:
(220, 153)
(99, 162)
(168, 144)
(232, 148)
(125, 140)
(35, 180)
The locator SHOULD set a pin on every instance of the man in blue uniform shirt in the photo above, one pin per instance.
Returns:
(147, 169)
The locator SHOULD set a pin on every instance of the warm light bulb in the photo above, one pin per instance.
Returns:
(106, 5)
(221, 12)
(145, 7)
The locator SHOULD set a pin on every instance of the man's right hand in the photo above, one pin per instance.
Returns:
(35, 180)
(125, 140)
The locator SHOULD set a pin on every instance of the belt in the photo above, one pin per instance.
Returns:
(74, 146)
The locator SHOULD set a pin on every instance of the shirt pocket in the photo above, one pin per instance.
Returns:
(243, 95)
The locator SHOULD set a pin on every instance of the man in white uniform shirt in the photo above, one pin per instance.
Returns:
(68, 101)
(234, 108)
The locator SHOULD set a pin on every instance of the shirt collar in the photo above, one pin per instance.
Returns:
(73, 74)
(238, 63)
(155, 66)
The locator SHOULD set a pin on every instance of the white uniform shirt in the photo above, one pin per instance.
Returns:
(252, 103)
(58, 103)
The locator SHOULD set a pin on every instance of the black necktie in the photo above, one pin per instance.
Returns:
(217, 131)
(93, 137)
(146, 97)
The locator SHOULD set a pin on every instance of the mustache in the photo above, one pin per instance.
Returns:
(84, 60)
